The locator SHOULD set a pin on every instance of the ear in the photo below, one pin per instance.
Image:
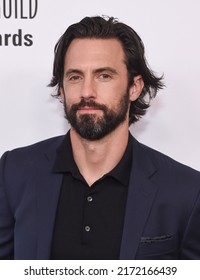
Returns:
(136, 88)
(61, 90)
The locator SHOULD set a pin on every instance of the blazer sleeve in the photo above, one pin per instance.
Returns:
(191, 240)
(6, 217)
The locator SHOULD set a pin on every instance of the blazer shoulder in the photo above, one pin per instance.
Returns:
(163, 163)
(34, 149)
(23, 158)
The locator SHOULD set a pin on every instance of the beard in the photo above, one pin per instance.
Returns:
(91, 126)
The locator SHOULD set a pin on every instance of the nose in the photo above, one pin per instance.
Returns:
(88, 90)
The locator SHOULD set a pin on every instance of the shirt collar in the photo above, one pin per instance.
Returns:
(65, 163)
(64, 158)
(121, 171)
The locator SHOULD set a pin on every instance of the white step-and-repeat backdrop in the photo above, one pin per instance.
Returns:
(29, 30)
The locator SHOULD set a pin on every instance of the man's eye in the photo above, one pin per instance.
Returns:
(74, 78)
(104, 76)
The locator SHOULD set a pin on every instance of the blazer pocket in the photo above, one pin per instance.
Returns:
(158, 245)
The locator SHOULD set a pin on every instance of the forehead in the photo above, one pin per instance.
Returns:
(94, 51)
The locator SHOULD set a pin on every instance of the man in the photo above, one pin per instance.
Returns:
(96, 193)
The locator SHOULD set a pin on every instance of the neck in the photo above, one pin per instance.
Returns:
(96, 158)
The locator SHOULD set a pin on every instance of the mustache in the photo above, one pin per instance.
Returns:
(88, 103)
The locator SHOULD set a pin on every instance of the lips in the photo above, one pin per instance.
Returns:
(89, 110)
(86, 108)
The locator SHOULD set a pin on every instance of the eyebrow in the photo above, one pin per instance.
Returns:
(96, 71)
(71, 71)
(105, 69)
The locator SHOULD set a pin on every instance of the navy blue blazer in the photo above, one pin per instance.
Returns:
(162, 219)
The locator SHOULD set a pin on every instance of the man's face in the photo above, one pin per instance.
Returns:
(95, 87)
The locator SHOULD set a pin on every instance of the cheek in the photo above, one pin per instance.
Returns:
(70, 95)
(117, 93)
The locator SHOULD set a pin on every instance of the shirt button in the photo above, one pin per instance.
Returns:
(89, 198)
(87, 228)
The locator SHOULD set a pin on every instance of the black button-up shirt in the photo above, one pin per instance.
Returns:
(89, 220)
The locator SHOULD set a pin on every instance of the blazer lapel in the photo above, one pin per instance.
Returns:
(48, 190)
(141, 194)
